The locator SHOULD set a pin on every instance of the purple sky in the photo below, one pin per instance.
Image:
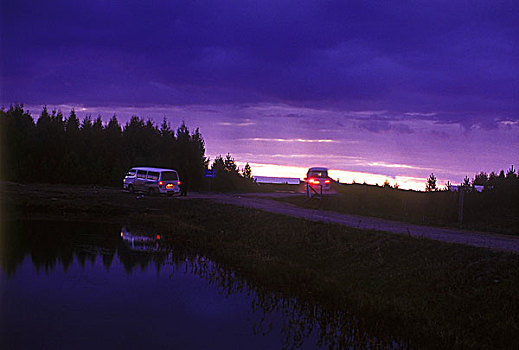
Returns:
(370, 89)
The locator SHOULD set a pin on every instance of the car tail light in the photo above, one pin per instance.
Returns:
(158, 237)
(161, 183)
(313, 181)
(326, 181)
(178, 183)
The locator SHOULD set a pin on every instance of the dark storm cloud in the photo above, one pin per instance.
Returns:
(457, 60)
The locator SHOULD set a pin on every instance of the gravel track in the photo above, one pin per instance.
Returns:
(266, 203)
(78, 197)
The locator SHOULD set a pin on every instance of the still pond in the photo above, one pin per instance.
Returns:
(77, 285)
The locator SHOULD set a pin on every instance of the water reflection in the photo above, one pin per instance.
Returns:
(140, 241)
(50, 245)
(334, 329)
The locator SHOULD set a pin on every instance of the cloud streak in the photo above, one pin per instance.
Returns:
(447, 150)
(391, 89)
(263, 139)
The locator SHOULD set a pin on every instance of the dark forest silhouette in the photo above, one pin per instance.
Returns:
(59, 149)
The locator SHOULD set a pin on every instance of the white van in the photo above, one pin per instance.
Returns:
(152, 180)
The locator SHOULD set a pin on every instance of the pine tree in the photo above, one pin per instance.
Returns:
(480, 179)
(431, 183)
(466, 182)
(247, 172)
(230, 164)
(510, 173)
(165, 129)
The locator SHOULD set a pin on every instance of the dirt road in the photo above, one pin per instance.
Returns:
(75, 200)
(265, 202)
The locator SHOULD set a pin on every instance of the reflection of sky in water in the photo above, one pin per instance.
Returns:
(91, 306)
(70, 285)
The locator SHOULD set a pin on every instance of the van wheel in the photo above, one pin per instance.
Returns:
(130, 188)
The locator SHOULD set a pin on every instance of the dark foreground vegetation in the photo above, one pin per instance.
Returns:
(434, 294)
(59, 149)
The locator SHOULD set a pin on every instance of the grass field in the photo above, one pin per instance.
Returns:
(490, 211)
(435, 294)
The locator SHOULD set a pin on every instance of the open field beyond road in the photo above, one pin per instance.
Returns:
(265, 202)
(433, 294)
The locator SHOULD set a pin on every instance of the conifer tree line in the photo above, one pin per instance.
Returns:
(64, 149)
(501, 181)
(59, 149)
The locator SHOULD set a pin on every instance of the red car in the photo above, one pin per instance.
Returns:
(317, 178)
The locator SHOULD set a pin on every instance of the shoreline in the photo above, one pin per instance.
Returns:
(433, 293)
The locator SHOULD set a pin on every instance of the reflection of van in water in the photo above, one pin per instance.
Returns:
(135, 241)
(152, 180)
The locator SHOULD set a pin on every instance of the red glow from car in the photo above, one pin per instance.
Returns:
(178, 183)
(313, 181)
(326, 181)
(158, 237)
(161, 183)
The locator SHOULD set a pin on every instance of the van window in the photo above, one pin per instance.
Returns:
(314, 173)
(131, 173)
(169, 176)
(141, 174)
(152, 175)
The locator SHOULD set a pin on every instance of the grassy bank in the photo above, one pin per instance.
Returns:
(435, 294)
(493, 211)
